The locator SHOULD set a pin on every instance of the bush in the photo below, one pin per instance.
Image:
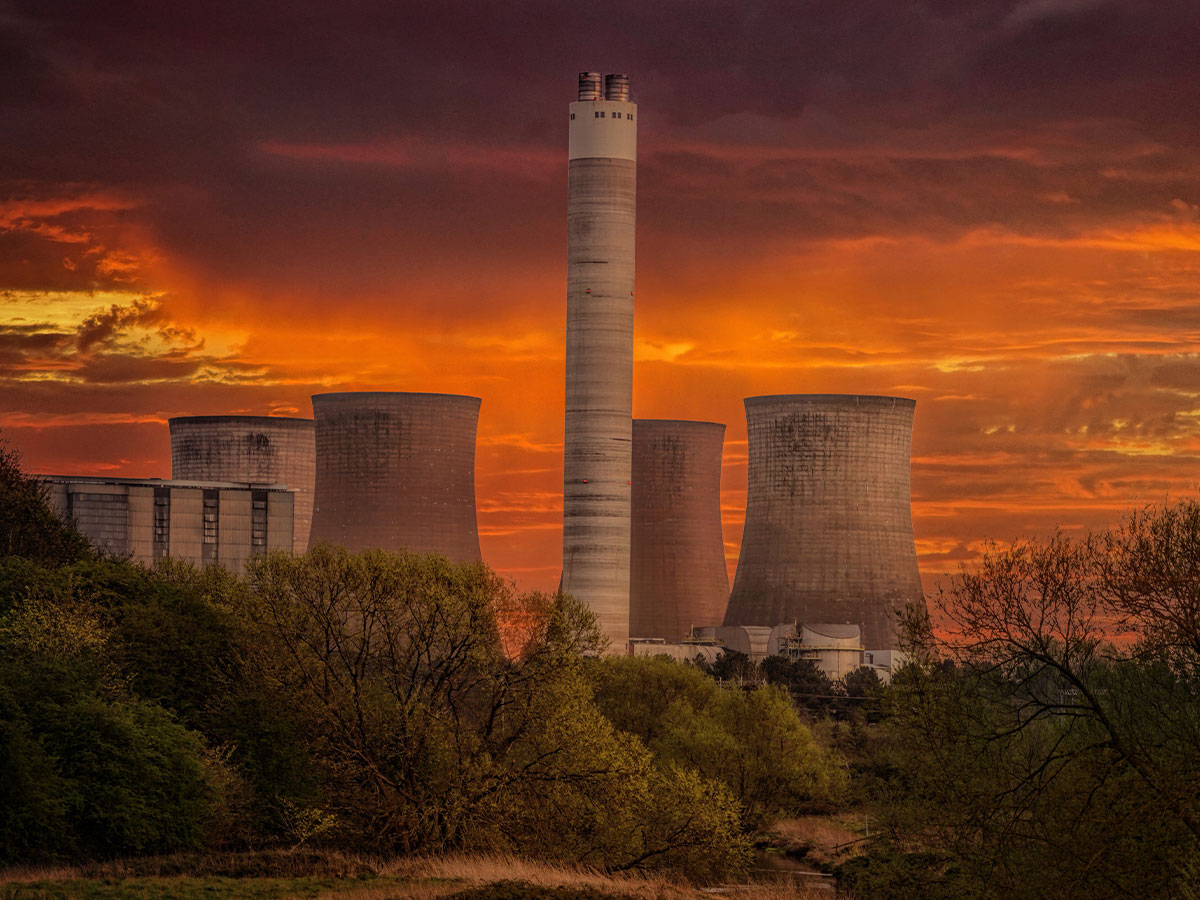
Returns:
(93, 770)
(753, 741)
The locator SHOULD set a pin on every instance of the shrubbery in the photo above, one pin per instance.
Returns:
(90, 768)
(752, 742)
(375, 702)
(1046, 741)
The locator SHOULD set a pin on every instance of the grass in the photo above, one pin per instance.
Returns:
(825, 841)
(340, 877)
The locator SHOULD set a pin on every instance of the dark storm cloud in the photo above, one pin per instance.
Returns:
(103, 326)
(175, 104)
(988, 200)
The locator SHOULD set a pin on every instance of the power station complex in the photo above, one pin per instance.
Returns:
(827, 554)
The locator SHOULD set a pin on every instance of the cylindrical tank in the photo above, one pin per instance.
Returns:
(397, 471)
(591, 86)
(275, 449)
(616, 87)
(828, 535)
(677, 556)
(601, 209)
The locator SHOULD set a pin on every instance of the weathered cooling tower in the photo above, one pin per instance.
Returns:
(266, 449)
(828, 535)
(397, 470)
(601, 206)
(677, 556)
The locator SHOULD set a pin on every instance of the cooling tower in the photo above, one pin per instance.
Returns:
(601, 195)
(396, 471)
(677, 556)
(828, 535)
(270, 449)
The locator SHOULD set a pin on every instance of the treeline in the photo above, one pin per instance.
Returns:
(1043, 743)
(372, 702)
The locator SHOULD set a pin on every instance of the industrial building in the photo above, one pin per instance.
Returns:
(597, 451)
(396, 471)
(828, 533)
(204, 523)
(272, 449)
(678, 578)
(834, 649)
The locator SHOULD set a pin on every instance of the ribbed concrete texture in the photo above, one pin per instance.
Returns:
(828, 535)
(601, 203)
(677, 556)
(266, 449)
(397, 470)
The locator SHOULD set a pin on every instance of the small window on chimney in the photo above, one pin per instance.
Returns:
(572, 116)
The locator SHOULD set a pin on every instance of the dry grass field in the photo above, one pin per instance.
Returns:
(822, 840)
(316, 876)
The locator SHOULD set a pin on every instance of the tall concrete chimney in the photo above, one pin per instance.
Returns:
(828, 535)
(597, 463)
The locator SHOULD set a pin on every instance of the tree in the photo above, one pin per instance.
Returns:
(753, 742)
(428, 736)
(1057, 716)
(28, 526)
(732, 665)
(90, 770)
(810, 688)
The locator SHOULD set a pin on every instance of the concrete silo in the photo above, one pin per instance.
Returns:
(601, 211)
(828, 535)
(265, 449)
(677, 556)
(397, 470)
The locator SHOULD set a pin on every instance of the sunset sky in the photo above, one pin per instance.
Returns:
(990, 207)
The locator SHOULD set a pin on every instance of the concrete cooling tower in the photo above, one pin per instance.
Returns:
(601, 211)
(828, 535)
(265, 449)
(677, 556)
(397, 470)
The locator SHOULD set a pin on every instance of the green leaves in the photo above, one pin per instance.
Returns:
(752, 742)
(1051, 750)
(443, 709)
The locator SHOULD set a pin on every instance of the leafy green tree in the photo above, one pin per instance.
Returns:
(809, 687)
(1044, 742)
(753, 742)
(95, 771)
(28, 526)
(863, 682)
(428, 735)
(733, 666)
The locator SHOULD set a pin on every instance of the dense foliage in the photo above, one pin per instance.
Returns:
(28, 527)
(427, 735)
(753, 742)
(1046, 741)
(91, 768)
(374, 702)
